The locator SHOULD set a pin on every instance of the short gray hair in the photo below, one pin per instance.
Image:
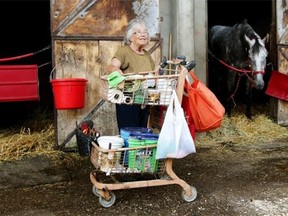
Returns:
(131, 27)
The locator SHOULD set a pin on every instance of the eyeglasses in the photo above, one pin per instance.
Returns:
(139, 33)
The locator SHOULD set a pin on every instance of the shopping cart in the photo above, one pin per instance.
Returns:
(135, 166)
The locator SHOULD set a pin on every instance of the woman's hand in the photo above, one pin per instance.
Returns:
(115, 66)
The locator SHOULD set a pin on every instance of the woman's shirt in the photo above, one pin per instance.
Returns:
(133, 62)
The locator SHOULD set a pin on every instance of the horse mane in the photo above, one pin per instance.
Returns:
(258, 46)
(247, 29)
(249, 32)
(243, 22)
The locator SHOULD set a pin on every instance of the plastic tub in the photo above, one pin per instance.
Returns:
(126, 132)
(69, 93)
(133, 131)
(106, 159)
(110, 142)
(143, 159)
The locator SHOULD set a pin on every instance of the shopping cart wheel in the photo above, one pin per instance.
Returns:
(107, 203)
(95, 191)
(191, 198)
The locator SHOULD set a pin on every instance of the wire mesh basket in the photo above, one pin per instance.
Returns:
(142, 88)
(140, 158)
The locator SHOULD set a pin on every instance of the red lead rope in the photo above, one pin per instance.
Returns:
(240, 75)
(240, 70)
(235, 69)
(23, 56)
(16, 57)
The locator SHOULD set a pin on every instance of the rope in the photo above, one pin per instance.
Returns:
(25, 55)
(237, 86)
(233, 68)
(42, 50)
(44, 64)
(245, 72)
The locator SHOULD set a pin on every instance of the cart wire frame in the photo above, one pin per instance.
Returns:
(113, 165)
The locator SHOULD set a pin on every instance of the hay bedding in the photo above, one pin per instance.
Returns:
(38, 137)
(238, 130)
(26, 142)
(35, 136)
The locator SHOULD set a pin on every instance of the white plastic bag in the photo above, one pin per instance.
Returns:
(175, 140)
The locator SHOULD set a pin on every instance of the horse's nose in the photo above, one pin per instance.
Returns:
(259, 85)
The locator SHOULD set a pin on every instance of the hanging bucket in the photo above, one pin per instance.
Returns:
(69, 93)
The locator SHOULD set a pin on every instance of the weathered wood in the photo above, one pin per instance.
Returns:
(85, 36)
(92, 17)
(279, 108)
(88, 59)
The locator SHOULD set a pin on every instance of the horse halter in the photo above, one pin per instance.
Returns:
(235, 69)
(251, 70)
(261, 53)
(241, 72)
(257, 72)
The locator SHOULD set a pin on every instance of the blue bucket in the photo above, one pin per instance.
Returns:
(126, 132)
(133, 131)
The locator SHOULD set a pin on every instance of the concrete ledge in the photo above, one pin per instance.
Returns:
(32, 171)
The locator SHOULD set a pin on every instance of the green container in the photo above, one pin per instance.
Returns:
(142, 159)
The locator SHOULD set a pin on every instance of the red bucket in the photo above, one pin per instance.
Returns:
(69, 93)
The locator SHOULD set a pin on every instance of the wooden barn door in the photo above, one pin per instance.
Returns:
(280, 107)
(85, 35)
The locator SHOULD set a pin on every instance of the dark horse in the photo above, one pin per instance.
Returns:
(236, 50)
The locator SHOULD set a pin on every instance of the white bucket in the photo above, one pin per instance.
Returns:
(109, 160)
(116, 142)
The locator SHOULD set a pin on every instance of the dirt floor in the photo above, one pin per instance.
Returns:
(230, 180)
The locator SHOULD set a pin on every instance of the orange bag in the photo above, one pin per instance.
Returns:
(187, 110)
(206, 110)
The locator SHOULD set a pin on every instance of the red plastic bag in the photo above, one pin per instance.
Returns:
(206, 110)
(187, 110)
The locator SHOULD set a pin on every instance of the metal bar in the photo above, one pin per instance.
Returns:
(89, 115)
(78, 9)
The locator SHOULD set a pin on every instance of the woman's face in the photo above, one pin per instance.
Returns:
(139, 36)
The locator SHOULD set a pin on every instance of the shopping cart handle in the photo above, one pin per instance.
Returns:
(190, 65)
(163, 63)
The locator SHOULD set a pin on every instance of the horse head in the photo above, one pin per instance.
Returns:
(257, 54)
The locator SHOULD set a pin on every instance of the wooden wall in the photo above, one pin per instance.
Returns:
(279, 108)
(85, 36)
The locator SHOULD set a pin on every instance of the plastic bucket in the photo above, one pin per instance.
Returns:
(126, 132)
(105, 161)
(110, 142)
(69, 93)
(144, 159)
(133, 131)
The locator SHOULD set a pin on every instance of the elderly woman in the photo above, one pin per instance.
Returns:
(133, 58)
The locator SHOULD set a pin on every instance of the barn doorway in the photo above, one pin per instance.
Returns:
(25, 28)
(259, 16)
